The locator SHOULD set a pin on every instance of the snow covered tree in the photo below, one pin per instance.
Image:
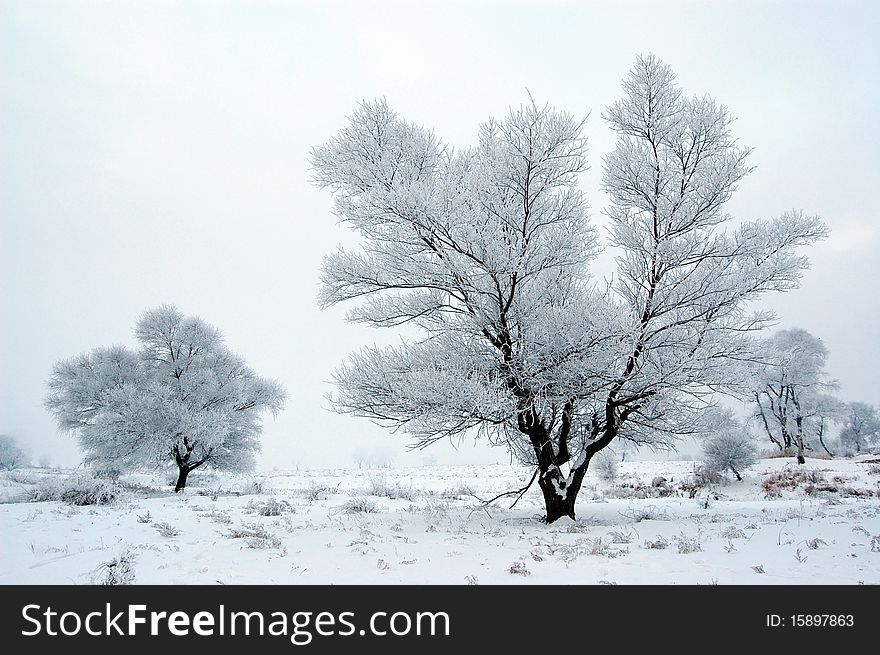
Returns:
(12, 455)
(861, 428)
(730, 447)
(183, 397)
(486, 250)
(792, 400)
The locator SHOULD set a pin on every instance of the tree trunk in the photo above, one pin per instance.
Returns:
(822, 437)
(184, 461)
(799, 439)
(181, 478)
(736, 473)
(560, 493)
(766, 423)
(557, 505)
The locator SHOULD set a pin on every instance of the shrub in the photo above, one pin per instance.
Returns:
(701, 476)
(730, 449)
(519, 568)
(108, 472)
(78, 489)
(605, 465)
(733, 532)
(270, 507)
(255, 535)
(618, 537)
(319, 492)
(379, 487)
(257, 488)
(456, 492)
(166, 529)
(117, 571)
(358, 506)
(687, 545)
(790, 479)
(660, 543)
(638, 490)
(219, 516)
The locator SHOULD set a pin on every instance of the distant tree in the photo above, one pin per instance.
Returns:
(791, 396)
(183, 397)
(730, 447)
(861, 428)
(12, 455)
(486, 251)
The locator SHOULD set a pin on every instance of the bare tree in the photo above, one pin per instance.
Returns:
(184, 397)
(486, 251)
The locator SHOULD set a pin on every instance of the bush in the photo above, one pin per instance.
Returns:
(271, 507)
(379, 487)
(257, 488)
(111, 473)
(605, 464)
(702, 476)
(638, 490)
(519, 568)
(317, 492)
(790, 479)
(117, 571)
(256, 536)
(687, 545)
(78, 489)
(358, 506)
(456, 492)
(660, 543)
(166, 529)
(731, 450)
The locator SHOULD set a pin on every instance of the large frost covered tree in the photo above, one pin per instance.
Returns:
(183, 397)
(486, 252)
(793, 398)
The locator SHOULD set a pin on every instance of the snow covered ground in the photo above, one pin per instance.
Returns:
(425, 525)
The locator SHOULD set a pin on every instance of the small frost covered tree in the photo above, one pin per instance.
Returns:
(183, 397)
(792, 399)
(12, 455)
(729, 447)
(605, 465)
(486, 251)
(861, 426)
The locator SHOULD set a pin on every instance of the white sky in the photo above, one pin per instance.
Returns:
(157, 152)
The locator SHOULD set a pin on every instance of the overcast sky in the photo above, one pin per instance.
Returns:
(157, 152)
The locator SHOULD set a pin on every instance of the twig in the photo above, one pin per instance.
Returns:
(519, 493)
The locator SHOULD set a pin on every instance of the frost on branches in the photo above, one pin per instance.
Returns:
(729, 447)
(792, 399)
(184, 397)
(486, 252)
(12, 455)
(861, 426)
